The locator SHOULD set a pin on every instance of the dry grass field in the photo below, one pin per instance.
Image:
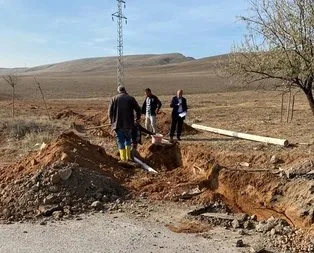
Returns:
(94, 78)
(85, 86)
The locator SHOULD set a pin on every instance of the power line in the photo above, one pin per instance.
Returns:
(120, 18)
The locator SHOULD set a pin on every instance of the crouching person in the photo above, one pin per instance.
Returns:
(121, 115)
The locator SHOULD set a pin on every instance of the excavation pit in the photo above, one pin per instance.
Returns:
(193, 173)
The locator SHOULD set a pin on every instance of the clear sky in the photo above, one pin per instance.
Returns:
(36, 32)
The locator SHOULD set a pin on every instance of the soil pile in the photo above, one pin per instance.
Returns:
(68, 176)
(86, 121)
(89, 119)
(66, 114)
(164, 123)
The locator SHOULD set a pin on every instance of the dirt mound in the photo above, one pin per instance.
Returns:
(67, 114)
(68, 147)
(88, 121)
(164, 123)
(69, 176)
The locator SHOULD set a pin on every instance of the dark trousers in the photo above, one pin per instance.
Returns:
(123, 138)
(176, 124)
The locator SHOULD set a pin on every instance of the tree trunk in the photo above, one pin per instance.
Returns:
(310, 99)
(13, 102)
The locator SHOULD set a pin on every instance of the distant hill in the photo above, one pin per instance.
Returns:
(6, 71)
(101, 64)
(97, 77)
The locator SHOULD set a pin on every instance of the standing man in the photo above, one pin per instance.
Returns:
(150, 109)
(121, 115)
(179, 111)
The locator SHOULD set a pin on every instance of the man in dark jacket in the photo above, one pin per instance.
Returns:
(150, 109)
(179, 105)
(121, 115)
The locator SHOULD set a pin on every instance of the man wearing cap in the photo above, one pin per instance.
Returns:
(121, 115)
(179, 110)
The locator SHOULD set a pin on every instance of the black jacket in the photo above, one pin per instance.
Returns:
(154, 104)
(175, 106)
(121, 111)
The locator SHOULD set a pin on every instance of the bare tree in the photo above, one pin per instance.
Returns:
(279, 45)
(42, 96)
(12, 81)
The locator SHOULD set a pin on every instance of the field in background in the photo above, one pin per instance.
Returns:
(85, 87)
(255, 112)
(94, 78)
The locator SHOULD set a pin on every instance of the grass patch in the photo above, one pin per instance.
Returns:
(25, 135)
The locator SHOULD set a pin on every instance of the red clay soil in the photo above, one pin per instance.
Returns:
(68, 147)
(161, 157)
(34, 186)
(201, 178)
(265, 195)
(195, 173)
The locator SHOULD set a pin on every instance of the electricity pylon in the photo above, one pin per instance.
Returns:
(120, 18)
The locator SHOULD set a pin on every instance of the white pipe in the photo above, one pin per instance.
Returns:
(251, 137)
(145, 166)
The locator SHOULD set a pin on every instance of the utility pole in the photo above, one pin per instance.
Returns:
(120, 18)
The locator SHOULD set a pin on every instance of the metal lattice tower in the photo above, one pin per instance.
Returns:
(120, 18)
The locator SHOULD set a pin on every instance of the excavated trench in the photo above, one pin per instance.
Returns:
(187, 172)
(200, 174)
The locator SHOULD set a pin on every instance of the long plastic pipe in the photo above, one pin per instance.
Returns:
(145, 166)
(281, 142)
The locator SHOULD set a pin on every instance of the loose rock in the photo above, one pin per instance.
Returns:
(96, 205)
(274, 159)
(239, 244)
(65, 173)
(257, 249)
(55, 178)
(236, 224)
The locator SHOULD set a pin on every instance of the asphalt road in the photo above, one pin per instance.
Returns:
(109, 233)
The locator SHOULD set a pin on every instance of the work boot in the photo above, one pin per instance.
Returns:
(123, 156)
(128, 153)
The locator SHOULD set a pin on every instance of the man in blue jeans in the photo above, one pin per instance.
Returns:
(150, 109)
(121, 115)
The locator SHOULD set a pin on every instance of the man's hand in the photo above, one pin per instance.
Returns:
(157, 111)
